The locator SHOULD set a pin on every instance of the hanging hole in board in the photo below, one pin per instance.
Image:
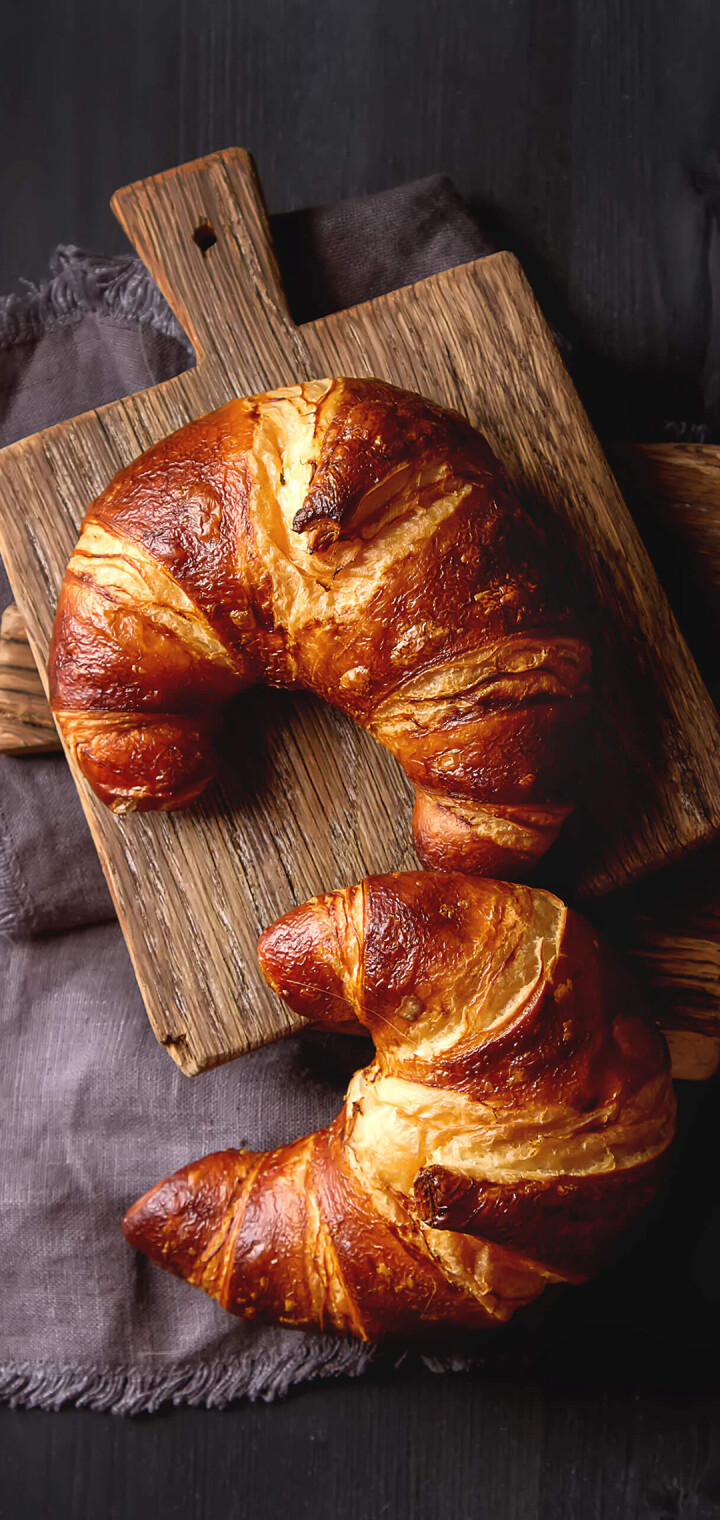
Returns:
(205, 236)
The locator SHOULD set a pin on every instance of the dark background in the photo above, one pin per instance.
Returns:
(584, 135)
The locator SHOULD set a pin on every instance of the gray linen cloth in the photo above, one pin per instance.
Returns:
(93, 1110)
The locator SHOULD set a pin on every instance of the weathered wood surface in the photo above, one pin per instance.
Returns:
(26, 723)
(669, 928)
(674, 493)
(312, 802)
(673, 934)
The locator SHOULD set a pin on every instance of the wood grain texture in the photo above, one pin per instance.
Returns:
(403, 1443)
(27, 726)
(674, 493)
(192, 890)
(674, 933)
(347, 102)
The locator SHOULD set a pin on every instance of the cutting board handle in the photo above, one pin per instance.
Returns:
(202, 230)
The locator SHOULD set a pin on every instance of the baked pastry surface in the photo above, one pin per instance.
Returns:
(516, 1116)
(355, 540)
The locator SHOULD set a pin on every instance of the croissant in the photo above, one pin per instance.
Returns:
(352, 539)
(516, 1115)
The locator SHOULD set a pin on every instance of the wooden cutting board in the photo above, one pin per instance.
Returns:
(26, 722)
(306, 802)
(669, 925)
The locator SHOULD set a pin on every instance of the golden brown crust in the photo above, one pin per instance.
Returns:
(484, 838)
(567, 1223)
(517, 1114)
(353, 539)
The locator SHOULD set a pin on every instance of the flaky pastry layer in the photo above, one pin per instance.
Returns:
(517, 1114)
(352, 539)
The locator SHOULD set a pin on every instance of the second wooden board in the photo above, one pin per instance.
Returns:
(307, 802)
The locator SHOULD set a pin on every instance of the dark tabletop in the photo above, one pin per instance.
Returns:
(586, 136)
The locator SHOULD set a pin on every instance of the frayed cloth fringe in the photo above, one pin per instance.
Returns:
(81, 284)
(129, 1390)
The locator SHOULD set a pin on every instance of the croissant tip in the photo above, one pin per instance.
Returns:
(132, 1227)
(176, 1220)
(133, 1223)
(170, 1222)
(299, 958)
(146, 1223)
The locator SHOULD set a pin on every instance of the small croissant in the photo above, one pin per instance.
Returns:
(516, 1116)
(354, 540)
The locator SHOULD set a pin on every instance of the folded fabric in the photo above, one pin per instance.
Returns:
(93, 1109)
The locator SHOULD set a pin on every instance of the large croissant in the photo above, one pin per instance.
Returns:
(352, 539)
(516, 1115)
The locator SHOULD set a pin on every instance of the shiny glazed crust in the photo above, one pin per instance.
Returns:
(353, 539)
(516, 1115)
